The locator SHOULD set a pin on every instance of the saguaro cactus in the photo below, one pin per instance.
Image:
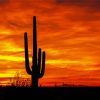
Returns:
(38, 59)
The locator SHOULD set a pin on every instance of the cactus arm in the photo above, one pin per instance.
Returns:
(39, 60)
(28, 70)
(43, 65)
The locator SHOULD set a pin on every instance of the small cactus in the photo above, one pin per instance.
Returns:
(38, 59)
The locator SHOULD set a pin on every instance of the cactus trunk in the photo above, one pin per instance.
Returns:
(34, 60)
(38, 65)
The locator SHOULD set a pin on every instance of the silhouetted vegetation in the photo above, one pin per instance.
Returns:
(38, 66)
(18, 81)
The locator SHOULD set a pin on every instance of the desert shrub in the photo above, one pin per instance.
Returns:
(19, 81)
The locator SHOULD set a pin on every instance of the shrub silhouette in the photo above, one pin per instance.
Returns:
(38, 60)
(19, 81)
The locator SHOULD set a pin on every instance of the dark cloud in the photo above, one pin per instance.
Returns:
(89, 4)
(2, 2)
(71, 1)
(81, 2)
(15, 24)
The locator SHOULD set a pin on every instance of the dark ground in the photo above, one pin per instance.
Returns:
(50, 93)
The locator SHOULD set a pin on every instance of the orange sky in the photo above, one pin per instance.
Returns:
(68, 30)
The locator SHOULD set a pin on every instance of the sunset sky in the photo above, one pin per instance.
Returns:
(68, 30)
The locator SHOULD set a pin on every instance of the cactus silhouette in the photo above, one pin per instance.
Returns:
(38, 58)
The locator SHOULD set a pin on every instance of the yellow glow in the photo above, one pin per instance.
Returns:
(7, 74)
(5, 32)
(9, 46)
(91, 69)
(57, 62)
(12, 58)
(53, 51)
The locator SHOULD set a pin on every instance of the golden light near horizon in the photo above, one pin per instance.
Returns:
(5, 32)
(68, 31)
